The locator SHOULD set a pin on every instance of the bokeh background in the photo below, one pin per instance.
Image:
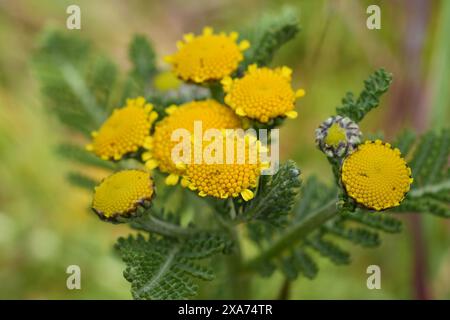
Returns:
(45, 224)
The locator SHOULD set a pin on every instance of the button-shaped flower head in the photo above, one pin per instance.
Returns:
(338, 136)
(125, 131)
(122, 193)
(234, 172)
(207, 57)
(211, 115)
(376, 176)
(262, 93)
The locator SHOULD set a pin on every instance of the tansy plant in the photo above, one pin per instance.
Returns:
(191, 219)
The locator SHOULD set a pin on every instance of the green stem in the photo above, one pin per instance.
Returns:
(152, 224)
(295, 233)
(238, 278)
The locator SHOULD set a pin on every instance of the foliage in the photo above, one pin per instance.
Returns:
(290, 222)
(163, 267)
(276, 196)
(430, 191)
(377, 84)
(269, 35)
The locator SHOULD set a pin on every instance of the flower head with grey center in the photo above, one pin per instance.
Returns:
(337, 136)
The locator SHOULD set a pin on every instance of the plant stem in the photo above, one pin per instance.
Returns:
(295, 233)
(152, 224)
(285, 290)
(238, 277)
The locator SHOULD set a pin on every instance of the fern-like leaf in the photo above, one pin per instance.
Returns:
(76, 87)
(317, 216)
(377, 84)
(329, 250)
(275, 198)
(143, 58)
(430, 170)
(269, 35)
(164, 267)
(76, 153)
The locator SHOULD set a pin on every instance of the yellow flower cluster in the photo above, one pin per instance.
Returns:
(376, 175)
(228, 177)
(208, 56)
(120, 194)
(125, 131)
(262, 93)
(212, 115)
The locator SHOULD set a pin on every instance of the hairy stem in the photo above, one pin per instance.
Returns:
(152, 224)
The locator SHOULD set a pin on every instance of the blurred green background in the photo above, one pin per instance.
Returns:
(45, 224)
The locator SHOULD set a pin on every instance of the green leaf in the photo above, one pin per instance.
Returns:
(374, 87)
(268, 36)
(359, 236)
(313, 195)
(430, 170)
(75, 87)
(306, 264)
(76, 153)
(405, 141)
(276, 195)
(329, 250)
(274, 200)
(165, 268)
(143, 57)
(381, 221)
(315, 216)
(298, 262)
(101, 80)
(81, 181)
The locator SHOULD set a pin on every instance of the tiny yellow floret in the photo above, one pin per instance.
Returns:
(120, 194)
(207, 57)
(166, 81)
(335, 135)
(262, 93)
(211, 115)
(231, 177)
(376, 176)
(125, 131)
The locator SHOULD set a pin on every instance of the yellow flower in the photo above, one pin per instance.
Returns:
(376, 175)
(212, 115)
(125, 131)
(227, 177)
(262, 93)
(208, 56)
(120, 194)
